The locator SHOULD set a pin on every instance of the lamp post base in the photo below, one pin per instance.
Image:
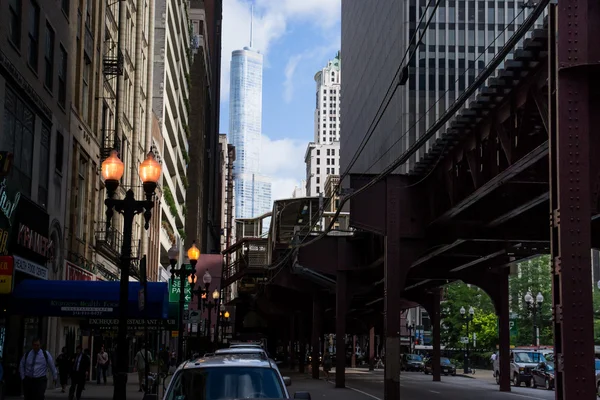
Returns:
(120, 383)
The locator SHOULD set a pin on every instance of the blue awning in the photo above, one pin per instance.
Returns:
(87, 299)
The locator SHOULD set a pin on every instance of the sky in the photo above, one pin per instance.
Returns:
(297, 38)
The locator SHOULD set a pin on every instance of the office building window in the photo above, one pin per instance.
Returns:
(81, 198)
(64, 4)
(62, 77)
(44, 167)
(58, 157)
(86, 89)
(49, 57)
(34, 28)
(14, 22)
(17, 138)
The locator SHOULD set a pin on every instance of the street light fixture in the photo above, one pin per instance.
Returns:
(468, 318)
(182, 272)
(112, 172)
(534, 308)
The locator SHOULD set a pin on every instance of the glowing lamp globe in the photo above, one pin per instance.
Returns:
(192, 279)
(215, 295)
(226, 315)
(193, 253)
(112, 170)
(150, 171)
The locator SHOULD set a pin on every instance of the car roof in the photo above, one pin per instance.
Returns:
(240, 350)
(227, 360)
(250, 345)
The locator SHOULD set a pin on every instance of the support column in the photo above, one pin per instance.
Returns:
(504, 330)
(372, 348)
(302, 334)
(341, 307)
(571, 114)
(394, 276)
(292, 342)
(435, 321)
(316, 332)
(353, 360)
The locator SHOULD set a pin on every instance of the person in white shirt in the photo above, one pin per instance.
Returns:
(140, 365)
(34, 370)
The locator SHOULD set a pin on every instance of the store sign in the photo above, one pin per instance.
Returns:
(36, 242)
(6, 273)
(8, 204)
(82, 307)
(133, 324)
(30, 268)
(74, 273)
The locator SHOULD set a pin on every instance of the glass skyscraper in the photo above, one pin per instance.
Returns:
(252, 190)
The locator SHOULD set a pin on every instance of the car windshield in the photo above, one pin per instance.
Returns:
(222, 383)
(597, 365)
(444, 361)
(414, 357)
(529, 357)
(549, 366)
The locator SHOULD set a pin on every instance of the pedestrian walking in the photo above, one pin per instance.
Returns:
(79, 373)
(63, 362)
(87, 353)
(327, 363)
(34, 370)
(140, 365)
(101, 364)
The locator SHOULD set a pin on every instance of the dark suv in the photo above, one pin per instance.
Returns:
(411, 362)
(447, 368)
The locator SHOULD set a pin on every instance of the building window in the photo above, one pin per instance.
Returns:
(58, 157)
(64, 4)
(318, 189)
(62, 77)
(333, 152)
(328, 151)
(44, 167)
(86, 89)
(318, 170)
(81, 198)
(318, 152)
(34, 33)
(49, 57)
(318, 161)
(318, 180)
(14, 23)
(17, 138)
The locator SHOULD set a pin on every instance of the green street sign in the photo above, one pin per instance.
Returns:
(175, 289)
(514, 331)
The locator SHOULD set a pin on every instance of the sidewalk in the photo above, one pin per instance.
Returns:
(93, 391)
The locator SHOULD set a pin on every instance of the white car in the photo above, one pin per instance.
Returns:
(229, 377)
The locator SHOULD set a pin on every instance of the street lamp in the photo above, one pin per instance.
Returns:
(410, 328)
(468, 318)
(182, 272)
(112, 172)
(534, 307)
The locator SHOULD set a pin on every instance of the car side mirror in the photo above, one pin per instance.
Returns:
(302, 395)
(287, 380)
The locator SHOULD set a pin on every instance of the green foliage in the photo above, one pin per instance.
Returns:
(186, 102)
(185, 155)
(533, 276)
(184, 181)
(170, 200)
(187, 131)
(181, 233)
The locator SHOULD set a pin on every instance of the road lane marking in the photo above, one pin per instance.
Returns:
(433, 391)
(360, 391)
(524, 396)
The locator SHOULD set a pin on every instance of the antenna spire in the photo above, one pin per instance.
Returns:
(251, 23)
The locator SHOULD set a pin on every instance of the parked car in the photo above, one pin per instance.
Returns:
(521, 364)
(447, 368)
(411, 362)
(230, 377)
(543, 375)
(598, 384)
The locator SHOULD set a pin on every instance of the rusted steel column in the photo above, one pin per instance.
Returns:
(435, 321)
(394, 276)
(504, 330)
(341, 308)
(302, 334)
(570, 195)
(316, 333)
(292, 341)
(353, 361)
(372, 348)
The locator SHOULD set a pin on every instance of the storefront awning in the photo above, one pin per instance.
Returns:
(87, 299)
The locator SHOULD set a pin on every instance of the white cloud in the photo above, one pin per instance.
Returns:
(283, 162)
(288, 84)
(271, 18)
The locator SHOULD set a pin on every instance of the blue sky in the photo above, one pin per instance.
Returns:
(297, 37)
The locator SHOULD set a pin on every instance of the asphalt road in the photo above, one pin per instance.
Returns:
(418, 386)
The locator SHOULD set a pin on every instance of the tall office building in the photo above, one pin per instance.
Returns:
(322, 156)
(252, 190)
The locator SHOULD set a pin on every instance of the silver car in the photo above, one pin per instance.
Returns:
(230, 376)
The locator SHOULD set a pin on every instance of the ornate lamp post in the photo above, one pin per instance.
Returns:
(112, 172)
(534, 307)
(468, 319)
(410, 327)
(214, 304)
(193, 254)
(202, 293)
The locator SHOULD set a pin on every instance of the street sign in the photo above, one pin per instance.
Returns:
(141, 299)
(175, 288)
(464, 340)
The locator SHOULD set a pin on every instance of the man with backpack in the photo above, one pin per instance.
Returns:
(34, 369)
